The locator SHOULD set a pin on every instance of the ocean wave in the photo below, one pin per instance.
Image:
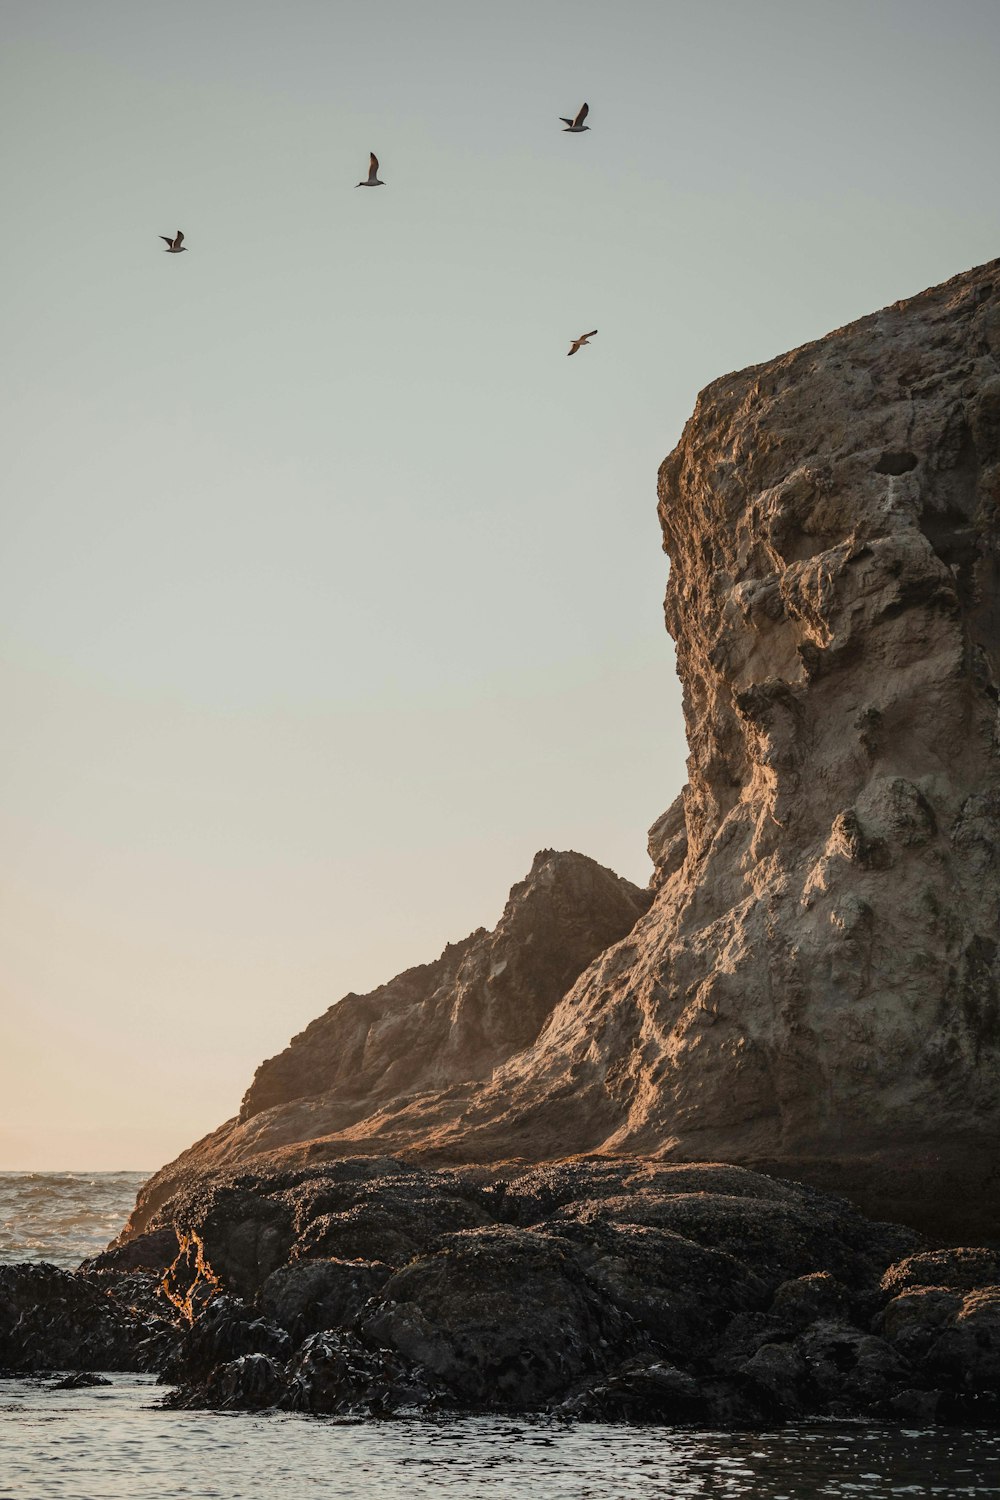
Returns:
(62, 1217)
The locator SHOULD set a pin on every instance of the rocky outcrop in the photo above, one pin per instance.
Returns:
(815, 987)
(52, 1319)
(601, 1290)
(363, 1075)
(596, 1289)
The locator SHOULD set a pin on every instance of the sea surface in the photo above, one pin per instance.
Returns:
(117, 1443)
(62, 1217)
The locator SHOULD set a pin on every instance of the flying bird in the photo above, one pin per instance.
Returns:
(176, 245)
(579, 343)
(373, 179)
(577, 125)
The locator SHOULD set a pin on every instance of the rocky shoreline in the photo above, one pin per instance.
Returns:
(595, 1289)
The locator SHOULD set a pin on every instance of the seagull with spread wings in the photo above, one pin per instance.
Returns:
(176, 245)
(579, 343)
(373, 179)
(577, 125)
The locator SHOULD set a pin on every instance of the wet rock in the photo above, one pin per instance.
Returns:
(778, 1375)
(966, 1353)
(388, 1226)
(313, 1295)
(915, 1405)
(54, 1319)
(252, 1382)
(852, 1372)
(225, 1331)
(597, 1183)
(82, 1380)
(782, 1239)
(743, 1335)
(238, 1228)
(337, 1374)
(913, 1321)
(696, 1291)
(678, 1292)
(504, 1318)
(154, 1251)
(639, 1391)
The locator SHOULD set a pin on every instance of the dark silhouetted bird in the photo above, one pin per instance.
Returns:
(577, 125)
(373, 179)
(579, 343)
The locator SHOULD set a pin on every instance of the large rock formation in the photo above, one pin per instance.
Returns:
(392, 1069)
(815, 985)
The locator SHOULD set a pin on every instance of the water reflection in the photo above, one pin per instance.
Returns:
(113, 1442)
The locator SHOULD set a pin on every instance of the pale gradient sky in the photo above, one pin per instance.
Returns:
(331, 590)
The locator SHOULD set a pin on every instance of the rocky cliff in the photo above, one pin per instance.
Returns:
(814, 987)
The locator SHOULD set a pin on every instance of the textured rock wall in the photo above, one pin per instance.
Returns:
(815, 986)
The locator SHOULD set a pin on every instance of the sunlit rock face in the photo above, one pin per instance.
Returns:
(829, 943)
(815, 986)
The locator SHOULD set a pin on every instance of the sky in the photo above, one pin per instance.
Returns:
(330, 591)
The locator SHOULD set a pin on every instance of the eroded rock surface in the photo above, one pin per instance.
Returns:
(388, 1069)
(815, 988)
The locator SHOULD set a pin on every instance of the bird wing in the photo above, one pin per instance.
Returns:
(565, 121)
(168, 240)
(574, 346)
(591, 334)
(180, 238)
(585, 111)
(372, 167)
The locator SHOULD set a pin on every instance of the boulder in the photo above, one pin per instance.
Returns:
(504, 1318)
(51, 1319)
(312, 1295)
(334, 1373)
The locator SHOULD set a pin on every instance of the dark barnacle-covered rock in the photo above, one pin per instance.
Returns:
(639, 1390)
(312, 1295)
(81, 1380)
(504, 1318)
(249, 1383)
(616, 1289)
(226, 1330)
(51, 1319)
(337, 1374)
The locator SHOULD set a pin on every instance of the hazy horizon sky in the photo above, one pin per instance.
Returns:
(332, 590)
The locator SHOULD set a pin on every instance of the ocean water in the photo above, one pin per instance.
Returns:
(118, 1443)
(62, 1217)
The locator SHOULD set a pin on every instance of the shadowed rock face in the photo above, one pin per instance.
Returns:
(454, 1020)
(815, 988)
(387, 1070)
